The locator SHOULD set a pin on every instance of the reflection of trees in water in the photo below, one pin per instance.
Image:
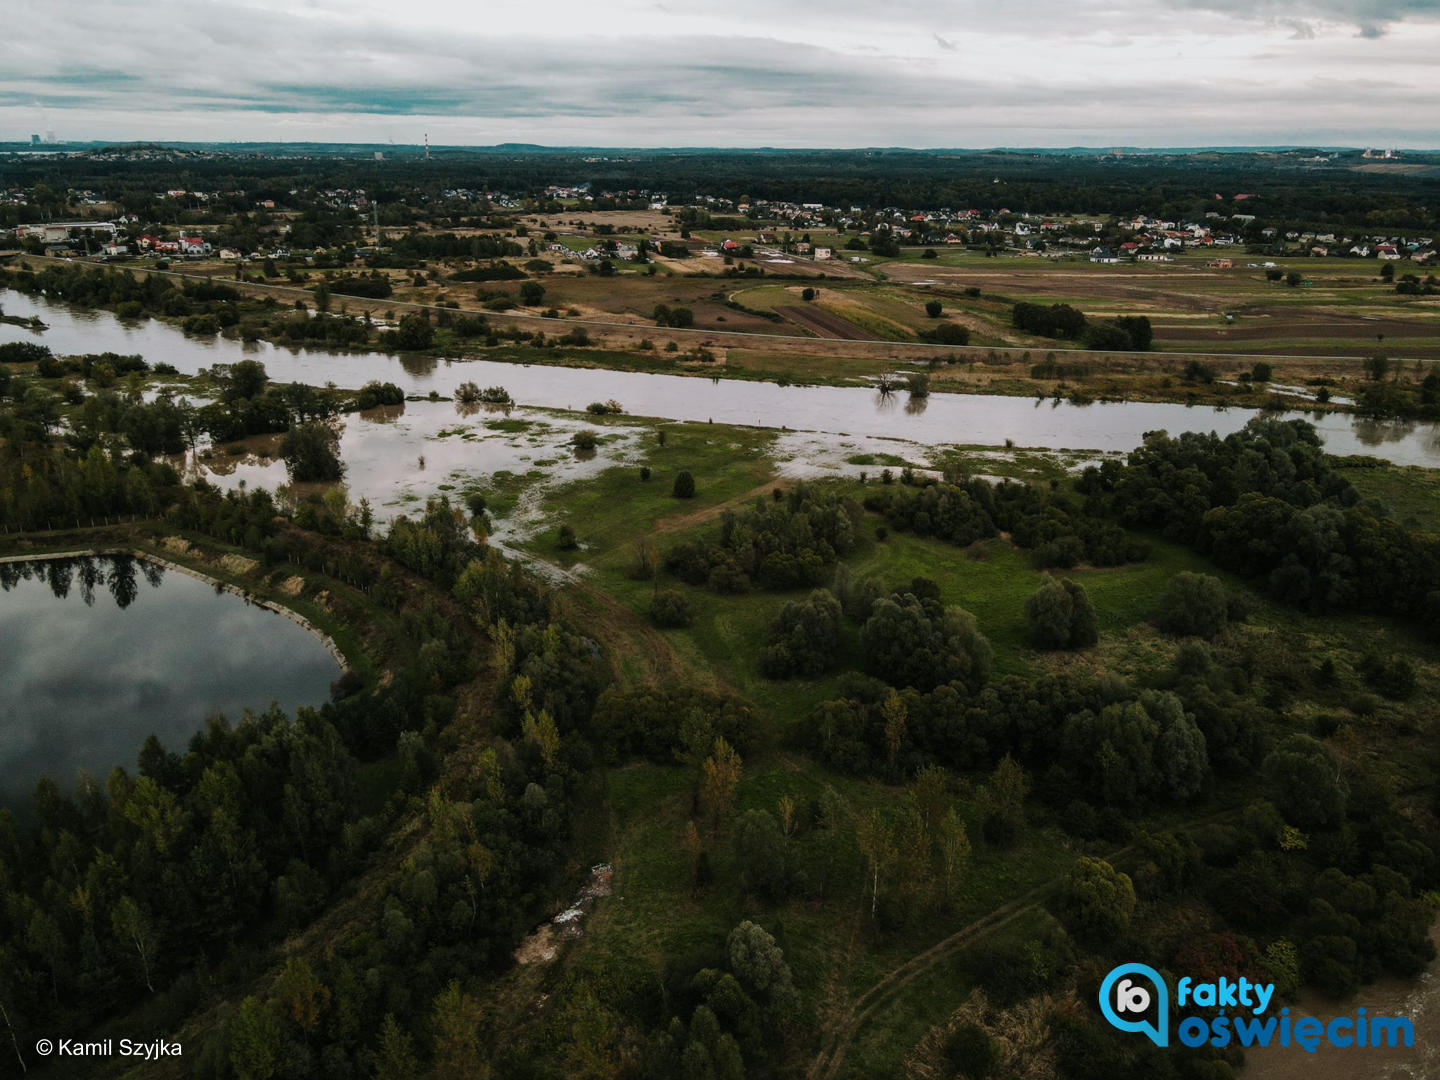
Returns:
(1372, 432)
(470, 408)
(885, 401)
(115, 572)
(418, 364)
(384, 414)
(916, 405)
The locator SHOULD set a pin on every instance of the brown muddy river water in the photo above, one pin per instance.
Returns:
(958, 419)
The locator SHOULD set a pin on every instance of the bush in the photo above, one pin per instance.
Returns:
(920, 643)
(1194, 605)
(933, 308)
(565, 539)
(644, 472)
(670, 608)
(312, 452)
(684, 487)
(584, 440)
(373, 394)
(947, 334)
(804, 638)
(1061, 616)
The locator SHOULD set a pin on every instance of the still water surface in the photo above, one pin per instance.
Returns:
(97, 653)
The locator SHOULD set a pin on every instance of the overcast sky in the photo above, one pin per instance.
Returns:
(739, 73)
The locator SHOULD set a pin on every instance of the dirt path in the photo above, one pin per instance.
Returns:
(677, 522)
(837, 1037)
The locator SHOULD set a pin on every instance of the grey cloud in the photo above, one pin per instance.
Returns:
(1370, 17)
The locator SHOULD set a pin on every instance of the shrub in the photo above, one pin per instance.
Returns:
(584, 440)
(565, 539)
(1061, 616)
(312, 452)
(684, 487)
(804, 637)
(910, 642)
(1194, 605)
(373, 394)
(670, 608)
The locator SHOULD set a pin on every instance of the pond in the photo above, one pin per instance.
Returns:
(101, 651)
(941, 419)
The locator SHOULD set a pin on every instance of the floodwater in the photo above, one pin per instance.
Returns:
(100, 652)
(942, 419)
(1418, 1000)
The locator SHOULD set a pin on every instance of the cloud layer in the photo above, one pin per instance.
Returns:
(748, 72)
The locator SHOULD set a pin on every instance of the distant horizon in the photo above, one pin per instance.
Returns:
(1097, 148)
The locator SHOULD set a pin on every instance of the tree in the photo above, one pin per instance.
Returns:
(684, 487)
(414, 332)
(1061, 616)
(670, 608)
(720, 774)
(255, 1040)
(456, 1018)
(1095, 901)
(531, 293)
(300, 995)
(756, 960)
(909, 642)
(1308, 787)
(933, 308)
(954, 844)
(876, 841)
(893, 710)
(1261, 372)
(565, 539)
(134, 930)
(312, 452)
(1377, 367)
(395, 1059)
(804, 637)
(760, 854)
(240, 381)
(1194, 605)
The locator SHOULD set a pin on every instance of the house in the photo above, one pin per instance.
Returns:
(1386, 251)
(1319, 251)
(1154, 258)
(194, 245)
(1220, 264)
(229, 254)
(1360, 250)
(1103, 255)
(113, 250)
(729, 245)
(824, 253)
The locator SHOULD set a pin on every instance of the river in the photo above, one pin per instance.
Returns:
(941, 419)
